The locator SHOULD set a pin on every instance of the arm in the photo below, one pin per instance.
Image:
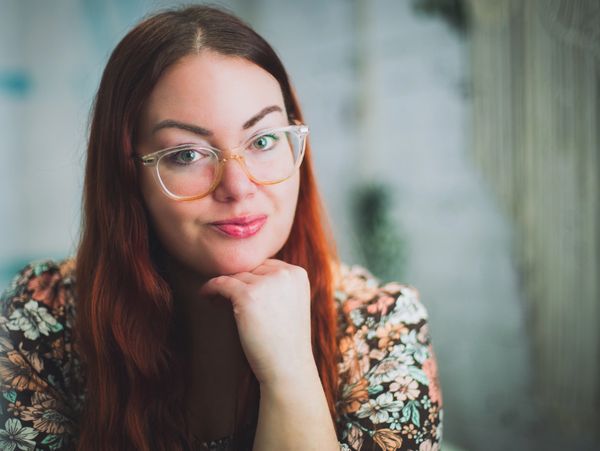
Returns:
(293, 415)
(271, 307)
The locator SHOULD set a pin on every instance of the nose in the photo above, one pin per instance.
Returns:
(234, 184)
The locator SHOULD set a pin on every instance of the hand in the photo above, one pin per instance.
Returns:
(271, 307)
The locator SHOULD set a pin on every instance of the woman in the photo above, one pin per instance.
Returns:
(205, 308)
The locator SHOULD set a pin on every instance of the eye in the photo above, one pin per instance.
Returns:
(186, 156)
(264, 142)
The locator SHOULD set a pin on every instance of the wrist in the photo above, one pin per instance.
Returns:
(297, 377)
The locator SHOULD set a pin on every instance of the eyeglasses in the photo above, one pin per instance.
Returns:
(192, 171)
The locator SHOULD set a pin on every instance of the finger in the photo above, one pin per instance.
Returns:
(246, 277)
(268, 267)
(274, 266)
(263, 270)
(280, 264)
(225, 286)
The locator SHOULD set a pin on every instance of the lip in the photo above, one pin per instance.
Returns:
(241, 226)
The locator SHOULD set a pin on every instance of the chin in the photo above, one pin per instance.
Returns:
(235, 265)
(227, 260)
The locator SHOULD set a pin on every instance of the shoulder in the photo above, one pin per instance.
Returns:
(39, 302)
(389, 394)
(43, 281)
(41, 293)
(362, 300)
(38, 367)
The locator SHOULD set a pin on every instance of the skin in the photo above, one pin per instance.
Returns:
(239, 302)
(230, 92)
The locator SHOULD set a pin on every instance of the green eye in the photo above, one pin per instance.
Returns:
(264, 142)
(185, 157)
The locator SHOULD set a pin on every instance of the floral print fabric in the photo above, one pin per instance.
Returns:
(40, 374)
(389, 394)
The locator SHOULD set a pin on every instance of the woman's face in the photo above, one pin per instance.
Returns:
(227, 97)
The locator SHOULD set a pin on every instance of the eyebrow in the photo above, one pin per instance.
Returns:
(170, 123)
(262, 113)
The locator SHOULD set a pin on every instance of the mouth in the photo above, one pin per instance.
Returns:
(240, 227)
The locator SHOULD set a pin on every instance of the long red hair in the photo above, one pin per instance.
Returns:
(131, 354)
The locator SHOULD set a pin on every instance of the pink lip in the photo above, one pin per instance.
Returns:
(241, 227)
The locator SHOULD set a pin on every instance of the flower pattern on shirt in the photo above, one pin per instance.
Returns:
(390, 397)
(33, 320)
(389, 393)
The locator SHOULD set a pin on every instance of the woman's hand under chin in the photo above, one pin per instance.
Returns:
(271, 307)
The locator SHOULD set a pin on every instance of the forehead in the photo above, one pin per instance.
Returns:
(212, 90)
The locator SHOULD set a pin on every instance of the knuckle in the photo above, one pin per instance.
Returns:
(282, 272)
(301, 272)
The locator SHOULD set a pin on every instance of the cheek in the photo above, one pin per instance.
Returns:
(168, 221)
(150, 188)
(169, 218)
(288, 201)
(178, 232)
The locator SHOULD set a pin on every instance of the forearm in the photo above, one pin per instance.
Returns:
(295, 416)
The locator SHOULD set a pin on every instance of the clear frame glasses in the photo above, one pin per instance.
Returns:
(192, 171)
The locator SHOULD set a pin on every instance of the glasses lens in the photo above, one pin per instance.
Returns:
(188, 171)
(273, 156)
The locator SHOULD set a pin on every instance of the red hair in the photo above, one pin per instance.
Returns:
(130, 352)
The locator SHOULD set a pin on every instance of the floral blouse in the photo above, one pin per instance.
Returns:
(389, 393)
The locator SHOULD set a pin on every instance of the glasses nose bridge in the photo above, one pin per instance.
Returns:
(235, 157)
(232, 153)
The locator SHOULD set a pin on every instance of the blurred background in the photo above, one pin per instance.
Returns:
(457, 145)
